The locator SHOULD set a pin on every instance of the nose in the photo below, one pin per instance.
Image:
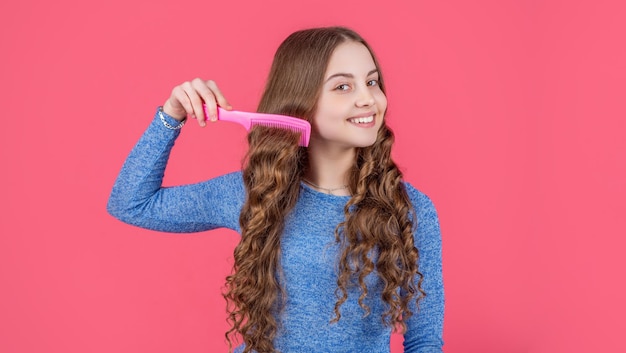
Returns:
(365, 98)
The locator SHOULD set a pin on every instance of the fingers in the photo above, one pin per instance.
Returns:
(221, 100)
(212, 97)
(191, 97)
(206, 97)
(198, 94)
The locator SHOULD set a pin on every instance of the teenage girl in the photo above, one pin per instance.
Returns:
(336, 249)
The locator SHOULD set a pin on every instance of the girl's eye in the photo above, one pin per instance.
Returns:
(372, 83)
(343, 87)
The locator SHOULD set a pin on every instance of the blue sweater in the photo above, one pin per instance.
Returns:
(308, 255)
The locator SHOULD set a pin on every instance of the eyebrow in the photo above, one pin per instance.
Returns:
(342, 74)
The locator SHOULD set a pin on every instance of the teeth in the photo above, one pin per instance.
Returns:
(364, 120)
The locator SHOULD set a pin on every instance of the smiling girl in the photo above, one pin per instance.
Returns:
(336, 249)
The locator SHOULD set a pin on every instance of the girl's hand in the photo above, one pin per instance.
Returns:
(187, 99)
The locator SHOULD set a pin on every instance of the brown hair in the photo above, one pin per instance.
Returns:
(378, 217)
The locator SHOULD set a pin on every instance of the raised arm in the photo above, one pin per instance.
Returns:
(138, 197)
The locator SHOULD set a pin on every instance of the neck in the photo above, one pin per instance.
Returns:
(329, 169)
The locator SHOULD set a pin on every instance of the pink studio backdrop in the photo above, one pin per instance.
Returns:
(508, 114)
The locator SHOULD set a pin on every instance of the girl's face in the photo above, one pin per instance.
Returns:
(351, 106)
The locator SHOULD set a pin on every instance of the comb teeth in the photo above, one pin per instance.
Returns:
(296, 125)
(248, 120)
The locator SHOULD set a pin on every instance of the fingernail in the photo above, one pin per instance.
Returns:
(213, 118)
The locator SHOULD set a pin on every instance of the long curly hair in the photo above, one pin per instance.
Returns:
(379, 219)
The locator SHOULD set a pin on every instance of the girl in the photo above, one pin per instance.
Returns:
(336, 250)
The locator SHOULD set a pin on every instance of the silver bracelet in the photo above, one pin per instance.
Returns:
(167, 125)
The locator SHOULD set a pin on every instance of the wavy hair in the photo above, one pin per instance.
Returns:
(379, 219)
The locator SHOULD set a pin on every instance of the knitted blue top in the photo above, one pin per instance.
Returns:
(308, 251)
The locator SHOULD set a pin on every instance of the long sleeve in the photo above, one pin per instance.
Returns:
(138, 197)
(425, 328)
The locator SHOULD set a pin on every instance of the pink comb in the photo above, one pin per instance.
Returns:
(248, 120)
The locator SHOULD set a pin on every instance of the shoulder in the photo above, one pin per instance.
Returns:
(225, 188)
(233, 179)
(230, 186)
(422, 204)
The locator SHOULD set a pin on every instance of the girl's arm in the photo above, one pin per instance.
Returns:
(138, 197)
(425, 328)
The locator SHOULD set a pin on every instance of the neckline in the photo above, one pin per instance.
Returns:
(317, 193)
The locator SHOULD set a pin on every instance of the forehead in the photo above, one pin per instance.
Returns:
(350, 58)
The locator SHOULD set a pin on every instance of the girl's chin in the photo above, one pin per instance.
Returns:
(366, 143)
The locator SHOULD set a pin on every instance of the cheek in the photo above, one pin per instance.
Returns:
(325, 120)
(333, 109)
(381, 101)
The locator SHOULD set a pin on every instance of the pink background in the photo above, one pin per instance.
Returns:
(509, 115)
